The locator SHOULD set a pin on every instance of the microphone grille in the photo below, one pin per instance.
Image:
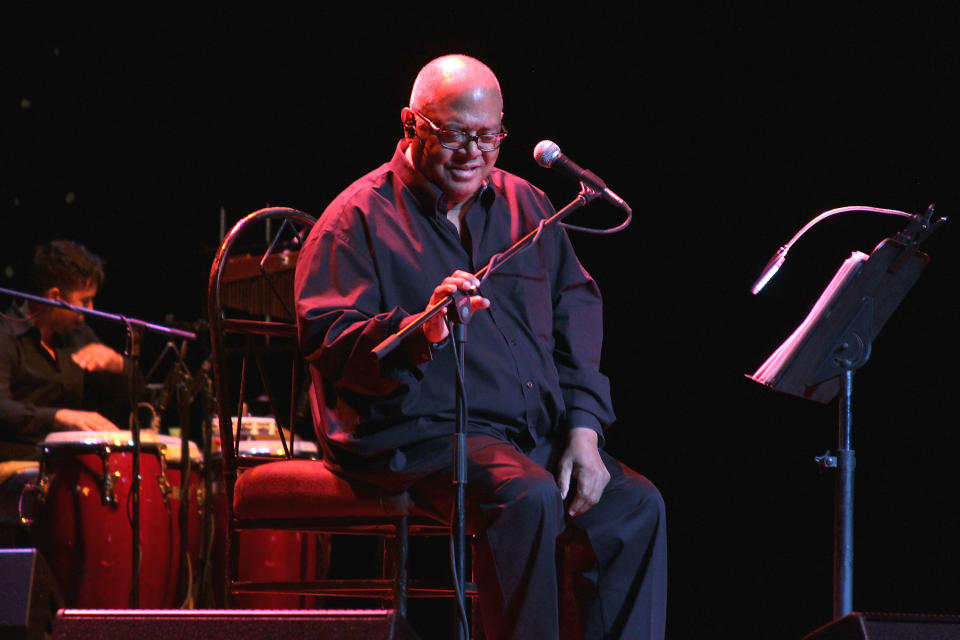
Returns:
(546, 152)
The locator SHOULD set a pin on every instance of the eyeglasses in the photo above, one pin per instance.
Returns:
(453, 139)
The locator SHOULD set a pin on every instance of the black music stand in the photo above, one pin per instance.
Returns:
(818, 361)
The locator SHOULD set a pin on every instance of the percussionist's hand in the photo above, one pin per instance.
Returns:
(581, 462)
(98, 357)
(436, 328)
(74, 420)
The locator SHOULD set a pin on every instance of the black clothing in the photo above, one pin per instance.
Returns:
(532, 373)
(613, 557)
(33, 385)
(375, 256)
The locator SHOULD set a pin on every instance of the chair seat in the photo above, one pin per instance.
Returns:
(308, 490)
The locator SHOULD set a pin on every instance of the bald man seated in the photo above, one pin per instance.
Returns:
(404, 237)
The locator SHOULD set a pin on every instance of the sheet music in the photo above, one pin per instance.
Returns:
(770, 370)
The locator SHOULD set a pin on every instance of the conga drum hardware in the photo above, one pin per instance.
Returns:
(200, 494)
(32, 494)
(181, 485)
(165, 487)
(108, 481)
(88, 540)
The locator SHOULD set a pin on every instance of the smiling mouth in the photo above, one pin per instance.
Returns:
(463, 173)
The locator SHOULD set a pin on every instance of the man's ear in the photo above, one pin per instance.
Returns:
(53, 293)
(409, 123)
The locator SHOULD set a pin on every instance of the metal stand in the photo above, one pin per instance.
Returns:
(134, 341)
(851, 351)
(844, 463)
(843, 517)
(820, 366)
(459, 531)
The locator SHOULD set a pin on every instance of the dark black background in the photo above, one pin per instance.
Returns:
(725, 128)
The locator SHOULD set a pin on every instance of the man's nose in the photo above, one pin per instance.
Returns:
(472, 148)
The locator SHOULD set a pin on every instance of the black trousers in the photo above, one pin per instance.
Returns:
(611, 558)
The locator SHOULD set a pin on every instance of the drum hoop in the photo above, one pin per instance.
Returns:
(172, 444)
(53, 448)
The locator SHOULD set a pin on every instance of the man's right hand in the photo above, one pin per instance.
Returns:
(74, 420)
(98, 357)
(435, 329)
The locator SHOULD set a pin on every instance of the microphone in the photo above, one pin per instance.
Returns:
(547, 154)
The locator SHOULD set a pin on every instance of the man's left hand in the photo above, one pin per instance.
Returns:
(581, 462)
(98, 357)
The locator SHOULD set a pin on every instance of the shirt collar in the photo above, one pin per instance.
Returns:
(18, 321)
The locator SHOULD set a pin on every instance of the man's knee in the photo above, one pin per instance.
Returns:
(631, 514)
(539, 491)
(531, 497)
(632, 491)
(645, 495)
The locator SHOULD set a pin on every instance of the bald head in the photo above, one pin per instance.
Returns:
(453, 75)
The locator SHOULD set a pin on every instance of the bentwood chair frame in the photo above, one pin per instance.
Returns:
(288, 493)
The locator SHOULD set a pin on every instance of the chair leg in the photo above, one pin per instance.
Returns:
(476, 624)
(232, 567)
(396, 552)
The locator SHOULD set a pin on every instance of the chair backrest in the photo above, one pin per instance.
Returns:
(251, 312)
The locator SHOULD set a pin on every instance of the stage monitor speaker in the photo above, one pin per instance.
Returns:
(230, 624)
(889, 626)
(28, 595)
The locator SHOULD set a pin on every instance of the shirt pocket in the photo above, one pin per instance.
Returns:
(524, 298)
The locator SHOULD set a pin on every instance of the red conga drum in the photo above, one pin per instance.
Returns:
(84, 525)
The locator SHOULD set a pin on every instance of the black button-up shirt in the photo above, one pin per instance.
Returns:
(375, 256)
(34, 385)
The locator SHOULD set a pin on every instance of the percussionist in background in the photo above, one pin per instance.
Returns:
(55, 374)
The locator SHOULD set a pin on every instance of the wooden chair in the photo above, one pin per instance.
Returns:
(251, 313)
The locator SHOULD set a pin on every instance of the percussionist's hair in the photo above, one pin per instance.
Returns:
(66, 265)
